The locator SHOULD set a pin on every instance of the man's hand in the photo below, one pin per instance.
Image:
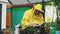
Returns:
(34, 25)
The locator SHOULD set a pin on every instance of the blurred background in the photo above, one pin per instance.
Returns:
(11, 13)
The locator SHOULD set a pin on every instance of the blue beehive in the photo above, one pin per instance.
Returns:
(57, 32)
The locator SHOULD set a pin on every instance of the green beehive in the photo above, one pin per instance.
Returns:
(52, 30)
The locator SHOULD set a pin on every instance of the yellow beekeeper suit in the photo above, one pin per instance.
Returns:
(30, 18)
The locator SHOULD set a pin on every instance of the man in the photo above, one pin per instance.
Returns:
(33, 17)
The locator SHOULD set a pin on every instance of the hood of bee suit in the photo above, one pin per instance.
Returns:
(38, 7)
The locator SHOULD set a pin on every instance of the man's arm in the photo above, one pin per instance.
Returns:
(25, 20)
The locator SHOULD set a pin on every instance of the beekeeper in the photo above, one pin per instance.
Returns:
(33, 17)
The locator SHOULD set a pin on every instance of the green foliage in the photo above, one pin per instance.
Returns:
(57, 2)
(53, 25)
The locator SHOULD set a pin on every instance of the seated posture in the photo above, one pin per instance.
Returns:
(33, 18)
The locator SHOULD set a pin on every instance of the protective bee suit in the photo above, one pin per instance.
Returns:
(29, 17)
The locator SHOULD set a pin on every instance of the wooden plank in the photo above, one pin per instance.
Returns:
(8, 19)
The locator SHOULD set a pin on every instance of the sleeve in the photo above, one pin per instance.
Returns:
(25, 20)
(41, 19)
